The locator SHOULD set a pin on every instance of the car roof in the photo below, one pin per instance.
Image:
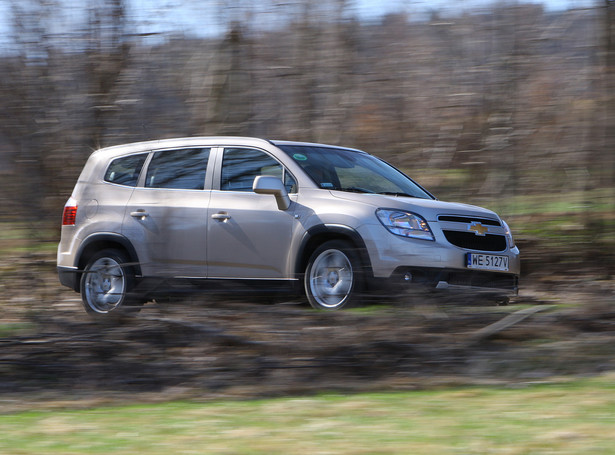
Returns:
(117, 150)
(313, 144)
(180, 142)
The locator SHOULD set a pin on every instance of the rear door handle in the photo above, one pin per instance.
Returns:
(221, 216)
(139, 214)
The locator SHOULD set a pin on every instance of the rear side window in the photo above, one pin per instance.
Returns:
(178, 169)
(125, 170)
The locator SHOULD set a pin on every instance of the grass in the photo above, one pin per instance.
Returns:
(11, 329)
(569, 202)
(570, 212)
(458, 185)
(565, 418)
(23, 238)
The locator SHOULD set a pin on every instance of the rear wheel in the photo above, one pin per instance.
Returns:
(332, 277)
(106, 283)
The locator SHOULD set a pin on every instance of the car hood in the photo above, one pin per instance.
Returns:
(428, 208)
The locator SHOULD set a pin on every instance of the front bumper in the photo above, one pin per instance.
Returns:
(435, 261)
(453, 279)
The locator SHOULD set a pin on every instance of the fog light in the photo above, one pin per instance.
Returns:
(408, 277)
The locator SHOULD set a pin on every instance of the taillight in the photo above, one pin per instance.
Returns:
(69, 215)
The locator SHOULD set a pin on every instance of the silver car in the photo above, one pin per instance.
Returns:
(150, 218)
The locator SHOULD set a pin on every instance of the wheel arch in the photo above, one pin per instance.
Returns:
(102, 241)
(317, 235)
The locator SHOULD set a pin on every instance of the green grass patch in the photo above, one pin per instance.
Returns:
(45, 247)
(566, 418)
(371, 309)
(11, 329)
(20, 238)
(569, 202)
(564, 214)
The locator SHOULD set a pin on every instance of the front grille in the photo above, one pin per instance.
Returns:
(471, 241)
(469, 220)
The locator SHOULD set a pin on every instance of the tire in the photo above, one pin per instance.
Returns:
(106, 283)
(333, 276)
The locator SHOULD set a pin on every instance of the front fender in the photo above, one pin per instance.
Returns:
(318, 234)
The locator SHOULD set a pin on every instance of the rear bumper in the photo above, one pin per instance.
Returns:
(69, 277)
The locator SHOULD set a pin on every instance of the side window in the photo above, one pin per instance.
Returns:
(125, 170)
(178, 169)
(290, 183)
(241, 166)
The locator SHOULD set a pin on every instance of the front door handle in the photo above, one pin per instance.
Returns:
(139, 214)
(221, 216)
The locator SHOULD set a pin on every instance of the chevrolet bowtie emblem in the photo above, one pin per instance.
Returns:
(478, 228)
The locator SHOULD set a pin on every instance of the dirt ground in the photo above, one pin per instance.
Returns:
(209, 347)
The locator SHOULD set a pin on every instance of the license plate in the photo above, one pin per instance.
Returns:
(487, 262)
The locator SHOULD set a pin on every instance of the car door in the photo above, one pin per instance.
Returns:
(248, 235)
(166, 216)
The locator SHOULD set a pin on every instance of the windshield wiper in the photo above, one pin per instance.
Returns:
(355, 189)
(394, 193)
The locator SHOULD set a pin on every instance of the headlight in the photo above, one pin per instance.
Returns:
(509, 236)
(405, 224)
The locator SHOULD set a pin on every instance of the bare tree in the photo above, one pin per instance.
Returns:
(108, 51)
(29, 96)
(513, 101)
(609, 63)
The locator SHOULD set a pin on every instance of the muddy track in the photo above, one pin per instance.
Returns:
(209, 348)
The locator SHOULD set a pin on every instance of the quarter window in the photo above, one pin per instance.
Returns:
(178, 169)
(125, 170)
(241, 166)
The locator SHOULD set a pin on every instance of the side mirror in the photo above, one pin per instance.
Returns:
(267, 184)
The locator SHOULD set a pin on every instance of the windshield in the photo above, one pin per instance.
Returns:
(353, 171)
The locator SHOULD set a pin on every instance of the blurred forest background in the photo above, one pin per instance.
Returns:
(510, 106)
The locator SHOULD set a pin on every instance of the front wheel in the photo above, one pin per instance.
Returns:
(106, 282)
(332, 277)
